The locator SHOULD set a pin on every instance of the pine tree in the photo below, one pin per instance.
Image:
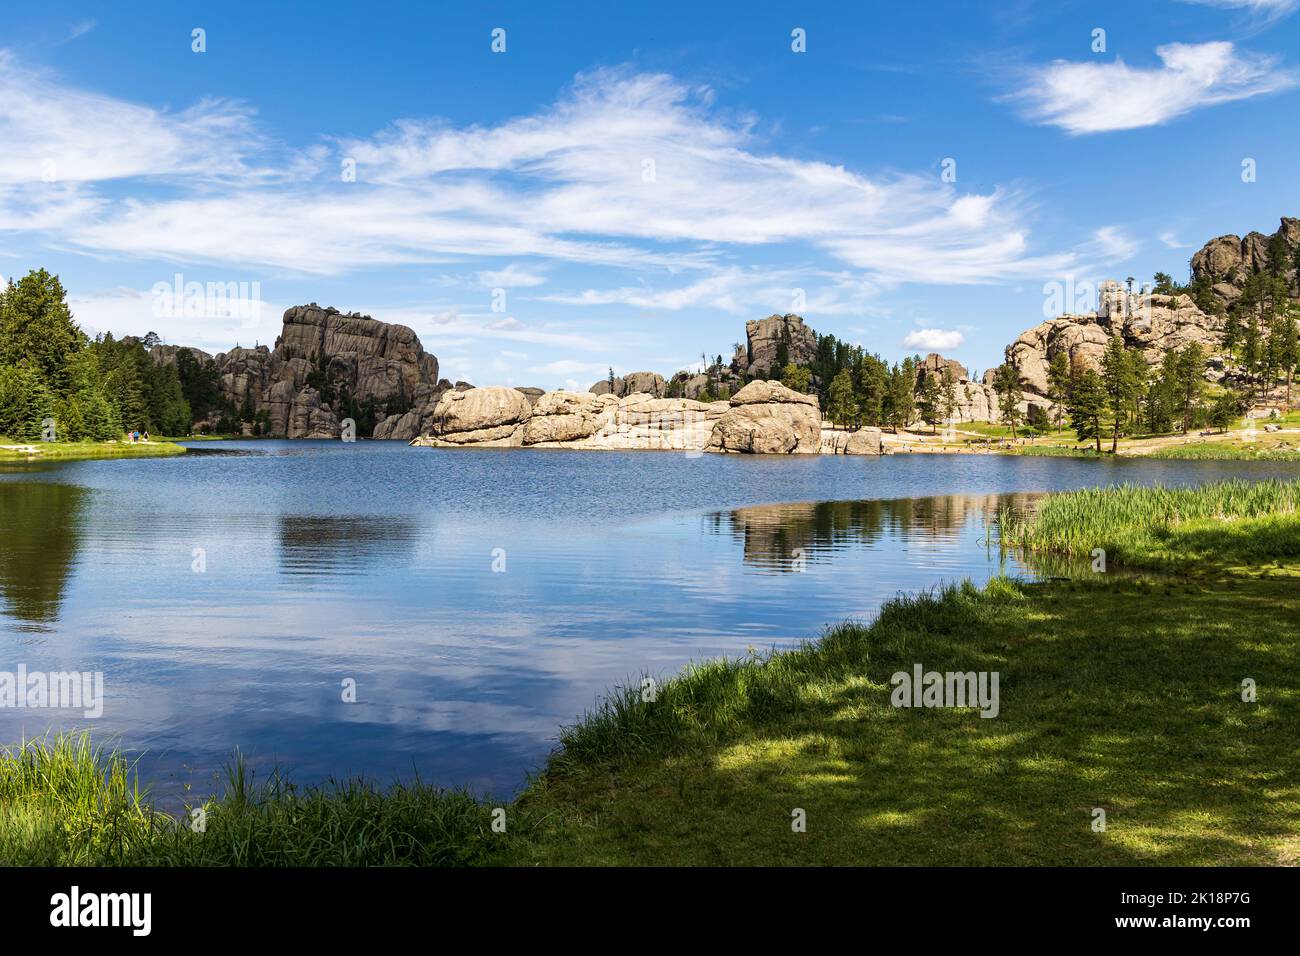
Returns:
(928, 401)
(1087, 405)
(948, 395)
(1191, 387)
(841, 408)
(1058, 384)
(36, 328)
(1006, 383)
(1121, 387)
(1288, 347)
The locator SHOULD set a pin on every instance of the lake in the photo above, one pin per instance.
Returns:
(478, 598)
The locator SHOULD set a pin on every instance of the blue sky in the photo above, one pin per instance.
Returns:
(625, 185)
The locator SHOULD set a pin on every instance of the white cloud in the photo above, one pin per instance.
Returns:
(1264, 9)
(1171, 240)
(572, 368)
(126, 311)
(625, 169)
(436, 330)
(933, 340)
(1098, 97)
(80, 29)
(56, 133)
(1112, 245)
(510, 277)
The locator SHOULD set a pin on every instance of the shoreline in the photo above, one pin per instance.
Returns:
(707, 768)
(88, 451)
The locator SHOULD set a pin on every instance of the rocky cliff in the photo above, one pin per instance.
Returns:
(325, 366)
(1156, 324)
(1151, 323)
(1228, 261)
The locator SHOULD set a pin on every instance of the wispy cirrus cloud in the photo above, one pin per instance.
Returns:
(625, 170)
(55, 133)
(80, 29)
(1263, 9)
(511, 277)
(1087, 97)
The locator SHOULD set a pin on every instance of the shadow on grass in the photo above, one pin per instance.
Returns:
(1122, 696)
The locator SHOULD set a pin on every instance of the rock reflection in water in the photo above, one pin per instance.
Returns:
(789, 537)
(327, 545)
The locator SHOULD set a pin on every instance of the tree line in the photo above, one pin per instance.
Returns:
(91, 389)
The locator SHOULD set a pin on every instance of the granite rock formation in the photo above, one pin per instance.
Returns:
(766, 340)
(766, 418)
(1228, 261)
(350, 358)
(763, 418)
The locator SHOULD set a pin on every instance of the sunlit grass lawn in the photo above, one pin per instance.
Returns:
(1116, 695)
(88, 449)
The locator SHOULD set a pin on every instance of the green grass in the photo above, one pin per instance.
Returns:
(1226, 451)
(1122, 695)
(1222, 525)
(64, 801)
(68, 450)
(1056, 451)
(1116, 692)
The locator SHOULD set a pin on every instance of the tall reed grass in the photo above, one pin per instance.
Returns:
(1224, 522)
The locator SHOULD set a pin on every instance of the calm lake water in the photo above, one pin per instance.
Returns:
(479, 598)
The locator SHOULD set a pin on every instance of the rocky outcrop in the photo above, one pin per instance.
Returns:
(580, 420)
(762, 418)
(352, 360)
(481, 416)
(972, 401)
(645, 383)
(771, 339)
(308, 418)
(766, 418)
(567, 417)
(1227, 262)
(163, 354)
(1152, 323)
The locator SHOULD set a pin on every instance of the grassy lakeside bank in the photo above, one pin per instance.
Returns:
(1120, 693)
(1231, 525)
(77, 450)
(1247, 441)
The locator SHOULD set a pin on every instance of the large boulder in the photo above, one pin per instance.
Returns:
(566, 417)
(864, 441)
(1220, 259)
(494, 415)
(766, 418)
